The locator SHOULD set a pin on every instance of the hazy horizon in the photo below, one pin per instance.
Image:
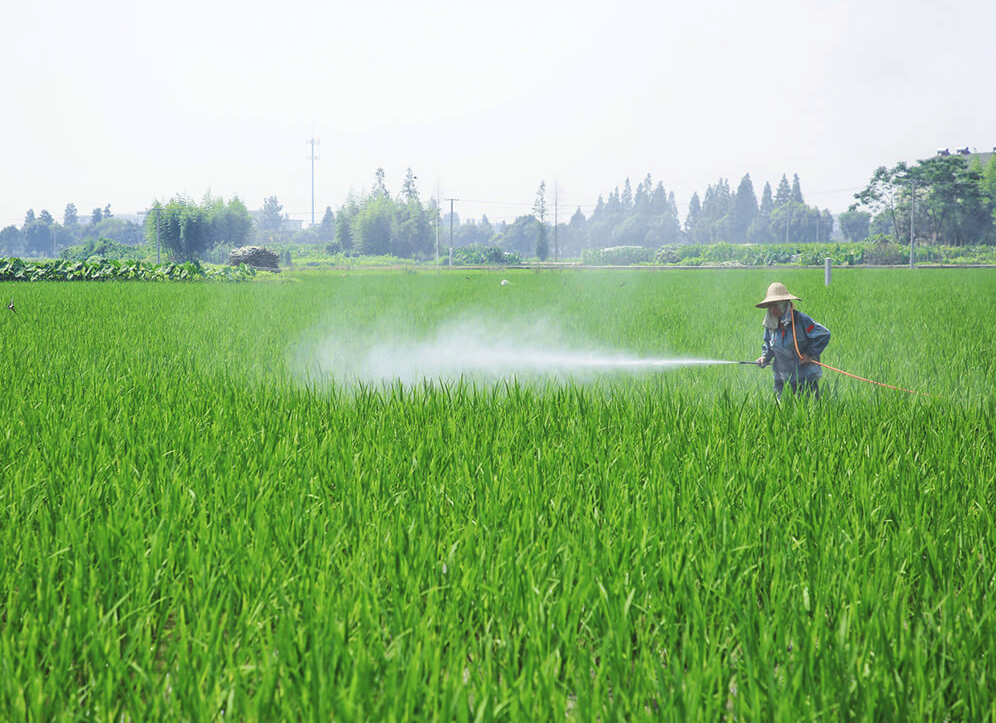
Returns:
(113, 103)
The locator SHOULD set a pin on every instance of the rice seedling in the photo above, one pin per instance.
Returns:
(199, 519)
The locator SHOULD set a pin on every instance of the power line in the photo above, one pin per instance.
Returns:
(496, 203)
(587, 208)
(834, 190)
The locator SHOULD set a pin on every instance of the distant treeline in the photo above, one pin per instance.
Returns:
(955, 205)
(645, 216)
(402, 226)
(41, 235)
(948, 199)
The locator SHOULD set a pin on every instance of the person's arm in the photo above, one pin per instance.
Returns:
(766, 352)
(816, 337)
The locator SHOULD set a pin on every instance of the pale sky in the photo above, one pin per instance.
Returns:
(123, 102)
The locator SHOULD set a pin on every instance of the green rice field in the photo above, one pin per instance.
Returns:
(212, 508)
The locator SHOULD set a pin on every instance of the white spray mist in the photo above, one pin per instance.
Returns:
(474, 349)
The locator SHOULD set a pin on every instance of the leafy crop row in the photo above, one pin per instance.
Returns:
(15, 269)
(874, 252)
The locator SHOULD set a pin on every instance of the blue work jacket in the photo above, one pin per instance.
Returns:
(778, 346)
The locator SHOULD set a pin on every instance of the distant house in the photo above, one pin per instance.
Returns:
(969, 154)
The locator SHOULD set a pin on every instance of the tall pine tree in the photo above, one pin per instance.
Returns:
(694, 218)
(627, 197)
(796, 189)
(767, 202)
(784, 193)
(743, 212)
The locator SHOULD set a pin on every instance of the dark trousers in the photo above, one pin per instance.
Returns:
(804, 387)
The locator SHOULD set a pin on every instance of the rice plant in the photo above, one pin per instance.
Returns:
(195, 524)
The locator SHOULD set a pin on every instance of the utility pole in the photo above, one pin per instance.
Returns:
(556, 245)
(451, 200)
(912, 214)
(313, 158)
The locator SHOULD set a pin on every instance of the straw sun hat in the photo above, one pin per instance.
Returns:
(777, 292)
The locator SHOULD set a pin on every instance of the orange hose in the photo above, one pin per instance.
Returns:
(795, 343)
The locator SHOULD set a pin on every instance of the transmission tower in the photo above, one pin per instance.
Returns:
(313, 142)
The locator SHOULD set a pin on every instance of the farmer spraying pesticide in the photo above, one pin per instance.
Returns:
(793, 341)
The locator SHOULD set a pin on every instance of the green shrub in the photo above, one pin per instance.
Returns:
(482, 255)
(878, 250)
(883, 251)
(104, 248)
(618, 256)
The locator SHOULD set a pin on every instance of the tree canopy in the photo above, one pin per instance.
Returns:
(947, 199)
(188, 230)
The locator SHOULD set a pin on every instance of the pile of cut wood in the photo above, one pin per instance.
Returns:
(255, 256)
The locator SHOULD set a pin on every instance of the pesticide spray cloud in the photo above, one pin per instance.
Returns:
(473, 349)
